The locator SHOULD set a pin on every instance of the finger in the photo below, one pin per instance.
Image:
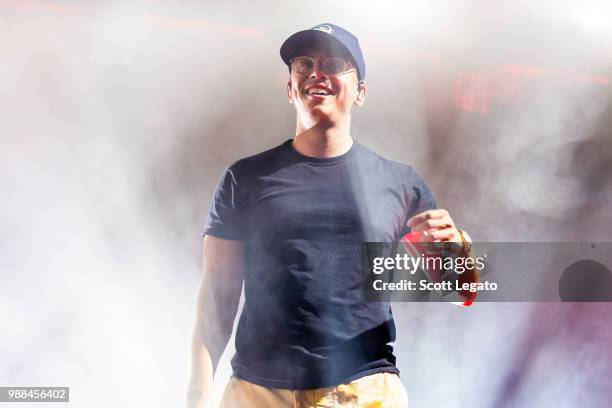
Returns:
(433, 223)
(426, 215)
(456, 236)
(441, 234)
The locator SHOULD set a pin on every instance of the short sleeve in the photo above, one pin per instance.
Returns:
(224, 219)
(422, 199)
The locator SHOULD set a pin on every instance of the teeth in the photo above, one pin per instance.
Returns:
(318, 91)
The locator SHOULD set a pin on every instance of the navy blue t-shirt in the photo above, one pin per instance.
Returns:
(305, 323)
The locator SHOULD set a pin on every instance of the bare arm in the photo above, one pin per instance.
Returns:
(223, 273)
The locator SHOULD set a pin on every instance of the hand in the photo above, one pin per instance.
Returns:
(436, 226)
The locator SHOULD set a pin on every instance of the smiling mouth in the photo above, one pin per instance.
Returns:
(319, 92)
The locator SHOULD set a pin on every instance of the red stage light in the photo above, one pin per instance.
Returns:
(472, 92)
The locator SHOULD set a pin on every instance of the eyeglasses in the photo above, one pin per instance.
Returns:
(332, 65)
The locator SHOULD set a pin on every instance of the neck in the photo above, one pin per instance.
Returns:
(323, 141)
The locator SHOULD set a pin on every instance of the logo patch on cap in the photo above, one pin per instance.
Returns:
(324, 28)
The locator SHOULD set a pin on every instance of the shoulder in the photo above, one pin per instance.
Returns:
(404, 171)
(256, 163)
(405, 178)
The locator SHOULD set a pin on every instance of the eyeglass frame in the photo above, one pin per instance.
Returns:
(348, 64)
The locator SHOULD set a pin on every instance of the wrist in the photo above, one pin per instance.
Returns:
(466, 242)
(196, 398)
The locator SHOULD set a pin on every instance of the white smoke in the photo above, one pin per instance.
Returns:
(117, 120)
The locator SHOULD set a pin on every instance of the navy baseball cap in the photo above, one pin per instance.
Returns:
(327, 34)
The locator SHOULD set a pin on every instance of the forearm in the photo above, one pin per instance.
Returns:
(211, 333)
(202, 372)
(218, 299)
(203, 365)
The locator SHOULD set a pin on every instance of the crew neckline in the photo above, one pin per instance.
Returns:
(321, 160)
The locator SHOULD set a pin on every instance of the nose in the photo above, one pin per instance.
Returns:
(317, 73)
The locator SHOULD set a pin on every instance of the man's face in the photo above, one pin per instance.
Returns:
(320, 96)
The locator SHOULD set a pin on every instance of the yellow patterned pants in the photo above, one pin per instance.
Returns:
(382, 390)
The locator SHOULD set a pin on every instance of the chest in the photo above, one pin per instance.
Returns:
(325, 204)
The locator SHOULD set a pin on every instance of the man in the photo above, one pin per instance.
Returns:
(289, 223)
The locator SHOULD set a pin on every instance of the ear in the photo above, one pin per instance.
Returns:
(361, 95)
(288, 89)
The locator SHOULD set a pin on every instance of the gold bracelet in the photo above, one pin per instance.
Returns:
(466, 242)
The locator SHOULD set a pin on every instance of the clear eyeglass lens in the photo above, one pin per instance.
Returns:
(333, 65)
(303, 65)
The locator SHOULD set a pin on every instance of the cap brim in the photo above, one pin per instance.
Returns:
(297, 41)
